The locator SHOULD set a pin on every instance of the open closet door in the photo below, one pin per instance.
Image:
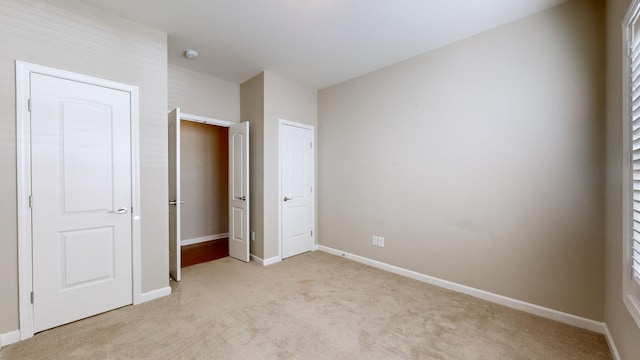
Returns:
(174, 194)
(239, 191)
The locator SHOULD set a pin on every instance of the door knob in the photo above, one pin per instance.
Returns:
(287, 198)
(122, 210)
(173, 202)
(243, 198)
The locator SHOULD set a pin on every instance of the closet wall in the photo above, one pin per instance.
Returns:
(204, 180)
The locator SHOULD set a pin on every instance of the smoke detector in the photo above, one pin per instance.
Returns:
(191, 54)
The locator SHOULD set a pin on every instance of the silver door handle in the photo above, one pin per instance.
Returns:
(122, 210)
(287, 198)
(243, 198)
(174, 203)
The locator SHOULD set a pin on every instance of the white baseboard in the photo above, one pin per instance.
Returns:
(315, 247)
(611, 343)
(185, 242)
(271, 260)
(9, 338)
(267, 262)
(257, 259)
(155, 294)
(584, 323)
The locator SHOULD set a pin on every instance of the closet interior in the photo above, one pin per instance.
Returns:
(204, 190)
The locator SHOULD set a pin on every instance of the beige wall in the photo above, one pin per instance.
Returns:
(480, 162)
(75, 37)
(199, 94)
(252, 110)
(204, 180)
(622, 327)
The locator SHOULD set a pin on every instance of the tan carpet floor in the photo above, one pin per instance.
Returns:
(313, 306)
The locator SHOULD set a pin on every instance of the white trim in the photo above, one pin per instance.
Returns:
(271, 261)
(256, 259)
(185, 242)
(23, 151)
(155, 294)
(315, 247)
(205, 120)
(633, 305)
(584, 323)
(313, 181)
(23, 140)
(267, 262)
(136, 203)
(612, 345)
(9, 338)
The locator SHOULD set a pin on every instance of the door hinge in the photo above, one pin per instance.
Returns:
(32, 297)
(29, 104)
(311, 189)
(311, 233)
(311, 145)
(30, 201)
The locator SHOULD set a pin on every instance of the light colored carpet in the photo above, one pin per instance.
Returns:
(313, 306)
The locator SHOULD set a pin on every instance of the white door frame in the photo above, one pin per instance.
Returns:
(23, 151)
(205, 120)
(313, 182)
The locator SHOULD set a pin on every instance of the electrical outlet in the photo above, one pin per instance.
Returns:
(377, 241)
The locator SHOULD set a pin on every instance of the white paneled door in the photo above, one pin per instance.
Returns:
(81, 199)
(239, 191)
(175, 201)
(296, 176)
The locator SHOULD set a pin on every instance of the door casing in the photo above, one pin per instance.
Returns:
(23, 151)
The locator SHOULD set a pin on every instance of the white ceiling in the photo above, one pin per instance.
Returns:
(315, 42)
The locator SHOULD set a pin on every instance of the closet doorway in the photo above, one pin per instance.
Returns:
(208, 190)
(204, 224)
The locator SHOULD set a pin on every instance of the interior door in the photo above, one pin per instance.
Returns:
(296, 166)
(174, 194)
(239, 191)
(81, 199)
